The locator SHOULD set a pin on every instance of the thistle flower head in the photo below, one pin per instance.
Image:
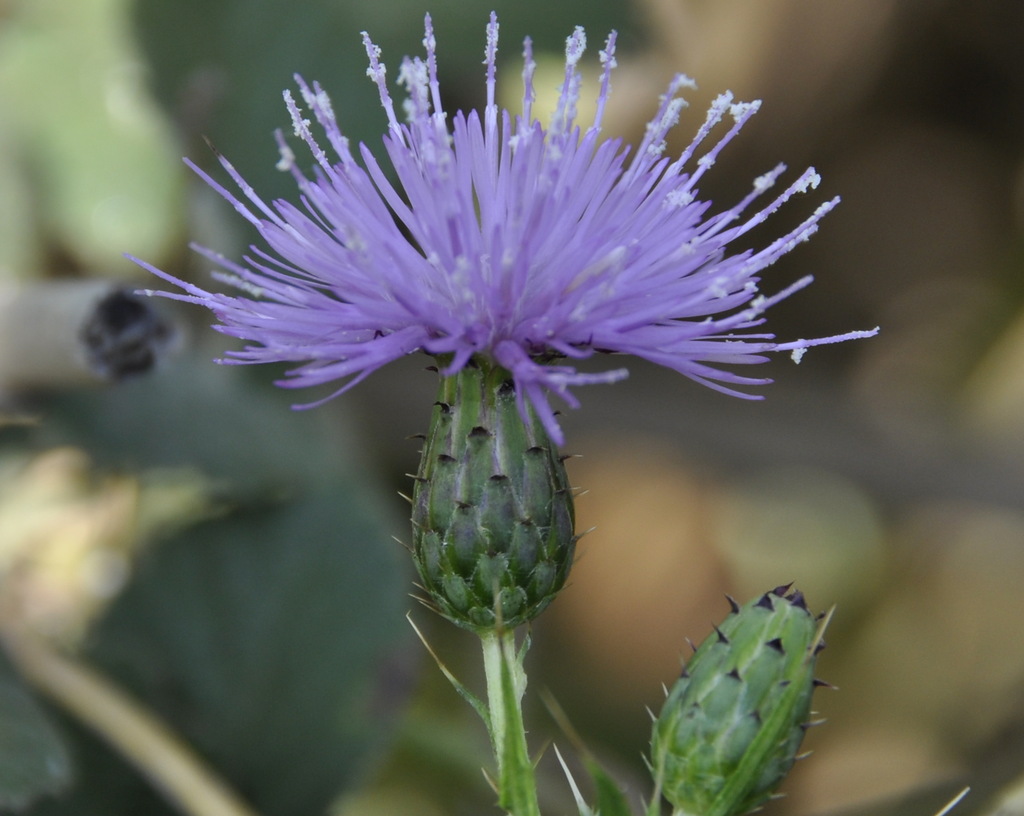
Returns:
(493, 235)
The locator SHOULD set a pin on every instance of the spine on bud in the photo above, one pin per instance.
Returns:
(731, 726)
(493, 523)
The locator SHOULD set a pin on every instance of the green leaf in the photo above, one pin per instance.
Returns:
(33, 759)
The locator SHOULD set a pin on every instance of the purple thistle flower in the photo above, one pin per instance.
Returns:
(505, 239)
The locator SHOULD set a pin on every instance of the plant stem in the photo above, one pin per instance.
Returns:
(506, 683)
(140, 737)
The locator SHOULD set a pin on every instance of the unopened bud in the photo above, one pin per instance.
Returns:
(732, 724)
(493, 537)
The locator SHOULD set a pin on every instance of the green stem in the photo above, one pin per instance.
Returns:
(506, 683)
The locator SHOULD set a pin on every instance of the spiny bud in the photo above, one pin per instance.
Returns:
(732, 724)
(492, 515)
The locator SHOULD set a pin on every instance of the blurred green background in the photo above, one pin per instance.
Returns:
(231, 562)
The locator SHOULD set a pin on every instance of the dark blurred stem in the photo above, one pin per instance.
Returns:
(506, 683)
(144, 741)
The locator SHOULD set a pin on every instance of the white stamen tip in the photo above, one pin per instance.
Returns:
(679, 198)
(810, 181)
(287, 160)
(575, 45)
(681, 81)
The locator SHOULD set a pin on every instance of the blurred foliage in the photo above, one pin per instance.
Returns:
(267, 629)
(88, 164)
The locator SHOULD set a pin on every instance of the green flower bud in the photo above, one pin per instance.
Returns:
(731, 726)
(492, 516)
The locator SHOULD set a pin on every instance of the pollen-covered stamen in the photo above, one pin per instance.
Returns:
(798, 346)
(286, 163)
(319, 103)
(300, 127)
(779, 247)
(608, 64)
(652, 147)
(378, 73)
(714, 115)
(741, 112)
(430, 45)
(428, 132)
(759, 305)
(565, 112)
(529, 92)
(412, 75)
(809, 179)
(261, 281)
(715, 225)
(490, 58)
